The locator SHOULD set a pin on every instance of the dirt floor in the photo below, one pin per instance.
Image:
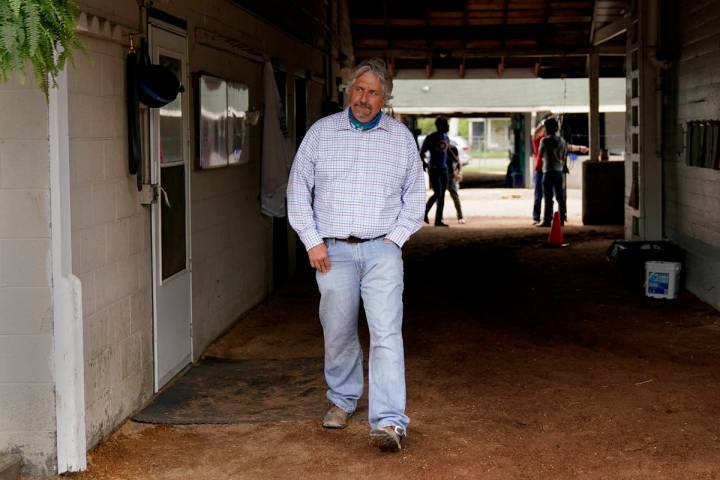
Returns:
(523, 362)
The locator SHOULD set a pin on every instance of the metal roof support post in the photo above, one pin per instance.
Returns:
(594, 116)
(651, 188)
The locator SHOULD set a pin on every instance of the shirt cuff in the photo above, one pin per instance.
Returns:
(399, 236)
(310, 238)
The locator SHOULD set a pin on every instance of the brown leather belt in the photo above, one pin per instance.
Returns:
(352, 239)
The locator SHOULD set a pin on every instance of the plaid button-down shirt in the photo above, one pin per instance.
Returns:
(363, 183)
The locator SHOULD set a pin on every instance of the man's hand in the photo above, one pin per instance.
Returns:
(319, 259)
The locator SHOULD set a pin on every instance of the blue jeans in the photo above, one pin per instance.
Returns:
(553, 183)
(438, 182)
(537, 205)
(372, 270)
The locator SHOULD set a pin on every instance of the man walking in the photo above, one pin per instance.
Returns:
(455, 176)
(438, 144)
(355, 195)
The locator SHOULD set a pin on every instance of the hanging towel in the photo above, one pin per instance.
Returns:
(277, 152)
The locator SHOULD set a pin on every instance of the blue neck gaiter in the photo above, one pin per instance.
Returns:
(358, 125)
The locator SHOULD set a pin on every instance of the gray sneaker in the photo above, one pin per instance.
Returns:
(388, 439)
(336, 417)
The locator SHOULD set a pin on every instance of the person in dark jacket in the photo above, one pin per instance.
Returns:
(553, 152)
(438, 144)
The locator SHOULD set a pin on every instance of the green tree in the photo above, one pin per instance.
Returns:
(41, 32)
(463, 129)
(426, 125)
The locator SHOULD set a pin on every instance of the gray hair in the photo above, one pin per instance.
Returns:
(377, 67)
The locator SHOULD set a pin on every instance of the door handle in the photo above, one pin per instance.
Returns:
(161, 192)
(151, 192)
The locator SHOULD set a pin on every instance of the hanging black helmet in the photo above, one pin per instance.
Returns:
(157, 86)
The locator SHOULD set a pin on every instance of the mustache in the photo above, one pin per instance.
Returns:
(362, 104)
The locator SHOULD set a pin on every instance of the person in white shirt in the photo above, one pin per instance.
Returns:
(355, 195)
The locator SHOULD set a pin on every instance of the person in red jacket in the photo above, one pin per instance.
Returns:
(538, 134)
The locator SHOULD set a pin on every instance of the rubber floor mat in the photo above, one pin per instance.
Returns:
(229, 391)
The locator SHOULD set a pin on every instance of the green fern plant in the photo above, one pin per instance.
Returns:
(33, 31)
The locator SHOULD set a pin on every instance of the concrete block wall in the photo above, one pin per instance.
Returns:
(231, 240)
(110, 241)
(27, 392)
(692, 199)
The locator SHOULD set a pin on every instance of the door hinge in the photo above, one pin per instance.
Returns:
(148, 194)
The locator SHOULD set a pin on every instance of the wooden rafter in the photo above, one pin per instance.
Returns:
(466, 35)
(496, 52)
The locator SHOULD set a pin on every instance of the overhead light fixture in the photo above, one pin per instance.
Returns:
(425, 88)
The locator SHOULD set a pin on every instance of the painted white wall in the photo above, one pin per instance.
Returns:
(27, 398)
(454, 125)
(231, 241)
(110, 242)
(615, 132)
(497, 133)
(68, 361)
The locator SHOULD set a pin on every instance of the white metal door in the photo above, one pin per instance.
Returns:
(172, 272)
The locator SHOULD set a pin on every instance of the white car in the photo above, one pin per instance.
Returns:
(459, 143)
(462, 147)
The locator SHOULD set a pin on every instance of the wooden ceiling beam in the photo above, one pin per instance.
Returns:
(493, 14)
(483, 4)
(368, 21)
(586, 5)
(446, 14)
(404, 44)
(407, 22)
(605, 50)
(593, 22)
(371, 43)
(504, 20)
(569, 18)
(610, 31)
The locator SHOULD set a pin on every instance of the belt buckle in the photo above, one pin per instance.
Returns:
(352, 239)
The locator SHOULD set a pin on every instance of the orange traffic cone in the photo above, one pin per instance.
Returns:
(555, 239)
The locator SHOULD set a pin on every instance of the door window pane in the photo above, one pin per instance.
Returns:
(173, 220)
(171, 122)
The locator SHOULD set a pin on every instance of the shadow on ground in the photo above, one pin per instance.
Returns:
(483, 180)
(522, 362)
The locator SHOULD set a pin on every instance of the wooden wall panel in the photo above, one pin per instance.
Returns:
(692, 194)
